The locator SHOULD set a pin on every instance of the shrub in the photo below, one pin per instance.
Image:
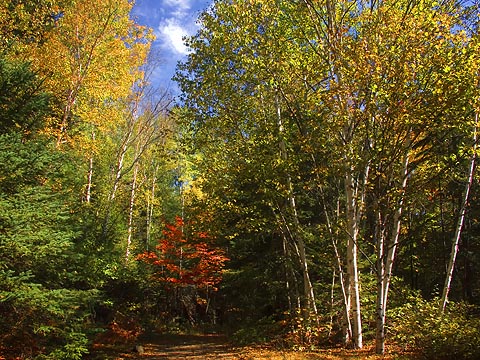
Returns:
(257, 331)
(418, 325)
(43, 323)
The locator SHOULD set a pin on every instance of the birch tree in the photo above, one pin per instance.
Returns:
(472, 77)
(91, 59)
(460, 222)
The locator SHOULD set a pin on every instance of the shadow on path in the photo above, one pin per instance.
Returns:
(187, 347)
(171, 346)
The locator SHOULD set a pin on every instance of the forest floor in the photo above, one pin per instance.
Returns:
(196, 347)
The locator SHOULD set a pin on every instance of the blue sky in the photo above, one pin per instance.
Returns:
(170, 21)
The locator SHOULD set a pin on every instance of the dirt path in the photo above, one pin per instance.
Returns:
(206, 347)
(195, 347)
(157, 346)
(186, 347)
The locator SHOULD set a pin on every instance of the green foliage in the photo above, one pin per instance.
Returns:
(76, 346)
(128, 292)
(260, 331)
(418, 325)
(34, 215)
(43, 303)
(42, 321)
(22, 104)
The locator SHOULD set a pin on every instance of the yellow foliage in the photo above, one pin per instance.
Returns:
(90, 60)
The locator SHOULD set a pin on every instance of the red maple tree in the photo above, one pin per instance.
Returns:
(183, 260)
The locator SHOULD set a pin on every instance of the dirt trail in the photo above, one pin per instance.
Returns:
(207, 347)
(187, 347)
(158, 346)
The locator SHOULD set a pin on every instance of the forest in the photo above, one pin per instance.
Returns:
(312, 186)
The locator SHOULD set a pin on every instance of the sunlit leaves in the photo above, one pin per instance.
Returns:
(25, 23)
(91, 59)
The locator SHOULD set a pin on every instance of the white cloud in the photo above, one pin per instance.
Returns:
(172, 33)
(178, 3)
(180, 8)
(171, 21)
(179, 23)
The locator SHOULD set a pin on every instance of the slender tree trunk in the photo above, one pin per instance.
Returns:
(119, 166)
(386, 251)
(395, 235)
(461, 220)
(332, 300)
(380, 301)
(67, 111)
(287, 281)
(130, 212)
(307, 284)
(116, 181)
(88, 191)
(308, 287)
(284, 229)
(352, 265)
(355, 198)
(150, 207)
(347, 325)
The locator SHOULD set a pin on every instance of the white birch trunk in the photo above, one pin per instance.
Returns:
(461, 219)
(397, 222)
(381, 301)
(287, 282)
(119, 166)
(308, 287)
(352, 265)
(67, 111)
(130, 213)
(284, 229)
(385, 260)
(347, 325)
(88, 191)
(150, 207)
(117, 177)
